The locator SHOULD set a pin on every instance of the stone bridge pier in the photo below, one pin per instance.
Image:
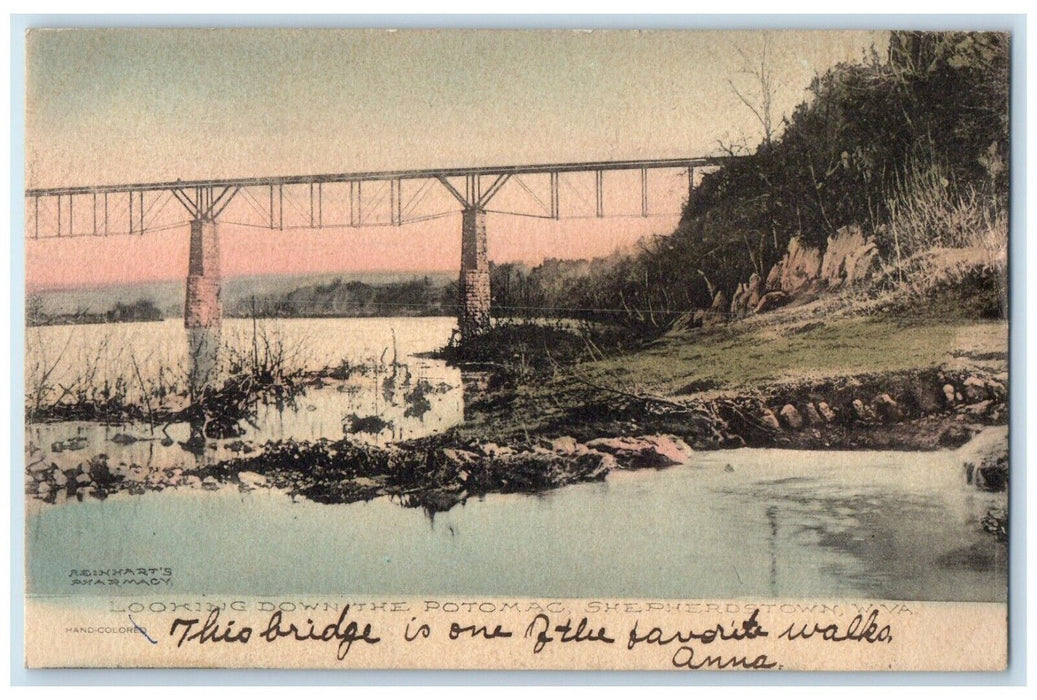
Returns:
(203, 308)
(474, 315)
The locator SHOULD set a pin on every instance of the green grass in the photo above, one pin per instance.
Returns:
(811, 344)
(789, 348)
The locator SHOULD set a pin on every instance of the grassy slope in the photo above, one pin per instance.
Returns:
(826, 339)
(785, 348)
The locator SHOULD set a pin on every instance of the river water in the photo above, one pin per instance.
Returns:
(425, 395)
(741, 523)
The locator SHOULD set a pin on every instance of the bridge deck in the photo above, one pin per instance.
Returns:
(384, 175)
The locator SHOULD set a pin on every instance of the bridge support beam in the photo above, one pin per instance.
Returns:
(202, 307)
(474, 316)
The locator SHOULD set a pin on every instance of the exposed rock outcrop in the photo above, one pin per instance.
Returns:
(717, 313)
(747, 296)
(799, 267)
(647, 451)
(849, 258)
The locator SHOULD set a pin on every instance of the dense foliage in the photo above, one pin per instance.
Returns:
(416, 297)
(140, 310)
(935, 109)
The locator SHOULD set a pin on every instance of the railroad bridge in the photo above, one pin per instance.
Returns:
(280, 203)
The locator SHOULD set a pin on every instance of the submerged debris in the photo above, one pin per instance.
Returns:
(371, 425)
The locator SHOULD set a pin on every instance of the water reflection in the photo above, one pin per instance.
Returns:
(381, 390)
(688, 532)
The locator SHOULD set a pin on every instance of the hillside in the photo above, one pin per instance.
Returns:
(910, 149)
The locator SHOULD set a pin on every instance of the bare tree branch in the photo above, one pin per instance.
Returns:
(760, 71)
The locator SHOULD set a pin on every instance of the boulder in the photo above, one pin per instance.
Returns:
(863, 412)
(791, 416)
(954, 435)
(252, 479)
(800, 266)
(75, 443)
(608, 461)
(769, 419)
(492, 449)
(980, 408)
(771, 300)
(489, 448)
(563, 444)
(754, 291)
(460, 457)
(986, 460)
(70, 445)
(993, 477)
(927, 397)
(996, 523)
(826, 411)
(887, 408)
(811, 414)
(649, 451)
(39, 468)
(949, 395)
(996, 389)
(974, 389)
(730, 441)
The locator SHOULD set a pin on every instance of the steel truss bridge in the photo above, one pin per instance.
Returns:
(357, 199)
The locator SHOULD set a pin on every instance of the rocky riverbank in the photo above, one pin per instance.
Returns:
(546, 413)
(924, 410)
(435, 473)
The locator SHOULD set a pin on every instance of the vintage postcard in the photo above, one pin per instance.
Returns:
(664, 350)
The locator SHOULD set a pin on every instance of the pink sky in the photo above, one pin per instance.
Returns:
(244, 251)
(117, 106)
(429, 242)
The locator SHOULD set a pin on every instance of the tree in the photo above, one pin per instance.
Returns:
(758, 68)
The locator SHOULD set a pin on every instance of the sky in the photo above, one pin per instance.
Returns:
(133, 105)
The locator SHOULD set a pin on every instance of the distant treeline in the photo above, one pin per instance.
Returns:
(911, 146)
(140, 310)
(340, 298)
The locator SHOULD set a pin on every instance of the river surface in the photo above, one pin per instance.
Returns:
(422, 396)
(740, 523)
